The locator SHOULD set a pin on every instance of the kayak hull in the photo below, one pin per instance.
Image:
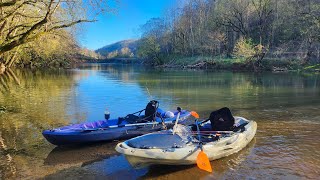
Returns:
(102, 130)
(66, 138)
(188, 154)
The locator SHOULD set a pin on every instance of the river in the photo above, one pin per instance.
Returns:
(286, 107)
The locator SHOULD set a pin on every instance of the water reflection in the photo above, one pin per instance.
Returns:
(113, 167)
(286, 107)
(220, 167)
(83, 154)
(26, 99)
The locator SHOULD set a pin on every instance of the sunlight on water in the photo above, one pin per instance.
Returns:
(286, 107)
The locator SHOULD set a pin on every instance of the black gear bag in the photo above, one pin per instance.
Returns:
(222, 120)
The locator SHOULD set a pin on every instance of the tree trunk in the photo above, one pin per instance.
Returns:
(307, 58)
(11, 60)
(2, 68)
(257, 65)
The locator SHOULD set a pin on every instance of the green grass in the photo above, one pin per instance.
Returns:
(315, 67)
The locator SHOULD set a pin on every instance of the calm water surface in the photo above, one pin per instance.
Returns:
(286, 107)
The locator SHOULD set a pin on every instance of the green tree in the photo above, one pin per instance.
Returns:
(276, 28)
(149, 49)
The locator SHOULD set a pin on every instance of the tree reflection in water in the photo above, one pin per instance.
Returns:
(25, 99)
(286, 107)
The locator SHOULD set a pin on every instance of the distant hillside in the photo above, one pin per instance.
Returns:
(126, 48)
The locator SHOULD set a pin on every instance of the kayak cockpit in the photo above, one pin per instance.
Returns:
(122, 121)
(184, 136)
(164, 140)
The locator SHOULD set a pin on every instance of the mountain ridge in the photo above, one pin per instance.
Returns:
(124, 48)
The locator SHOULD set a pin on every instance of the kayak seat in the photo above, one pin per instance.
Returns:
(151, 109)
(157, 141)
(222, 120)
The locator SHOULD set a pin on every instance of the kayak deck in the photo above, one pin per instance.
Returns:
(186, 153)
(106, 130)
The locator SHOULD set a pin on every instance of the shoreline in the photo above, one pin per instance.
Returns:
(116, 60)
(268, 65)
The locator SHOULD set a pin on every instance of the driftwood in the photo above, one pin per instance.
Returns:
(201, 65)
(198, 65)
(279, 69)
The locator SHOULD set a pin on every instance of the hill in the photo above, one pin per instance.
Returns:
(125, 48)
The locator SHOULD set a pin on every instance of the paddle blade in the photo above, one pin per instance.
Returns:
(203, 162)
(194, 114)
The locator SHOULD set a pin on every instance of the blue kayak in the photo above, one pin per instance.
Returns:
(113, 129)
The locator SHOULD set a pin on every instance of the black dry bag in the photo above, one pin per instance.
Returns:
(222, 120)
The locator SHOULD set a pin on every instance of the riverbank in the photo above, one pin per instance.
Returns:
(196, 62)
(116, 60)
(237, 64)
(218, 63)
(209, 63)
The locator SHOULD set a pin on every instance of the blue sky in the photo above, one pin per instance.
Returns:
(125, 24)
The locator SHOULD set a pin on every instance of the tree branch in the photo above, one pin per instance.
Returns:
(71, 24)
(6, 4)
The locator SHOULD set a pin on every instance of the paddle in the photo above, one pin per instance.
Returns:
(125, 125)
(202, 158)
(136, 124)
(177, 119)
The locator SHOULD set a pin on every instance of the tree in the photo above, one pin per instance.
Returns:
(309, 18)
(244, 48)
(150, 50)
(264, 11)
(274, 28)
(113, 54)
(125, 52)
(24, 21)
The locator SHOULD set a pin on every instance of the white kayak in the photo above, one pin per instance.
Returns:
(183, 147)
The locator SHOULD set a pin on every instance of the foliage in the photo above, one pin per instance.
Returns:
(113, 54)
(244, 48)
(23, 22)
(124, 52)
(254, 29)
(150, 49)
(313, 68)
(90, 54)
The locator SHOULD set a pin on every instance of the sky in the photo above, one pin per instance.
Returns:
(124, 24)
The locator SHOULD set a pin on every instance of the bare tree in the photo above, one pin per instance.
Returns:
(23, 21)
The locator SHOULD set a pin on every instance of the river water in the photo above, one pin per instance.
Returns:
(286, 107)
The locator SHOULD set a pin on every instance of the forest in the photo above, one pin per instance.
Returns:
(237, 34)
(246, 33)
